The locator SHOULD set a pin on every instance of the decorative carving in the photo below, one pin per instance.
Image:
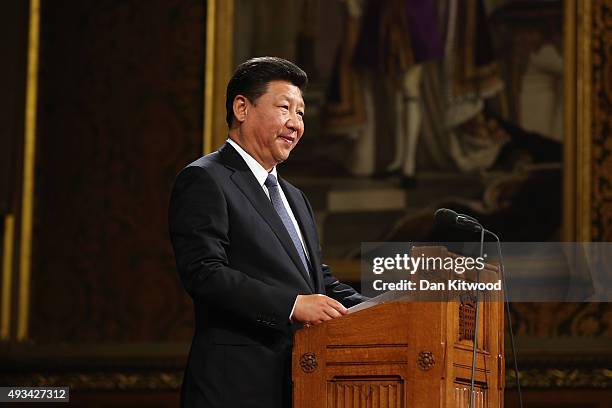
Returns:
(467, 316)
(461, 395)
(601, 122)
(426, 360)
(308, 362)
(600, 378)
(100, 380)
(372, 392)
(549, 378)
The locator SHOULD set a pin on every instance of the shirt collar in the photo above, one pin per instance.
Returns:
(257, 169)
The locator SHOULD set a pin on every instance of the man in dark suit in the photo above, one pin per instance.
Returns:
(247, 250)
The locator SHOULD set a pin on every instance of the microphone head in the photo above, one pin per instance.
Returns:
(445, 217)
(449, 218)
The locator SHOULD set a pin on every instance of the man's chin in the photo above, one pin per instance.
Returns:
(281, 157)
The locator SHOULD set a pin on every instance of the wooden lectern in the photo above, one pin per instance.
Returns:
(402, 353)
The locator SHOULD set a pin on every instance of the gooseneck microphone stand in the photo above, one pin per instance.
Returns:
(476, 316)
(447, 217)
(507, 307)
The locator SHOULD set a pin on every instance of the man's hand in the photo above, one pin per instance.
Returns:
(314, 309)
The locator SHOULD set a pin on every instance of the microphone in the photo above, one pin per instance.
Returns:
(446, 217)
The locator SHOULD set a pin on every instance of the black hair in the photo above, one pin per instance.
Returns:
(251, 80)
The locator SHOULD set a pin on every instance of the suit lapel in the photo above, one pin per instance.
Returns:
(247, 183)
(302, 215)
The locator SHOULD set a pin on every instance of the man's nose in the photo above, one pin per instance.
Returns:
(294, 123)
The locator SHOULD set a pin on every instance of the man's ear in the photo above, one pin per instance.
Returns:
(240, 106)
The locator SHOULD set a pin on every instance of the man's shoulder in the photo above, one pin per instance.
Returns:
(211, 163)
(209, 167)
(208, 161)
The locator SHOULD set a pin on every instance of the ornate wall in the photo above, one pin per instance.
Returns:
(120, 113)
(565, 349)
(13, 23)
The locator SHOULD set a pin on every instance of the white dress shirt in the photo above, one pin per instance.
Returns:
(261, 175)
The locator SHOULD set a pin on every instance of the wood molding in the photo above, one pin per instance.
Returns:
(157, 380)
(569, 119)
(218, 68)
(587, 121)
(29, 357)
(562, 378)
(29, 153)
(7, 277)
(576, 113)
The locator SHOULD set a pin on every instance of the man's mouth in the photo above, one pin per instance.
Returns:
(288, 139)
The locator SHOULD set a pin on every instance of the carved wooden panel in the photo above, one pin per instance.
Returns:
(461, 396)
(467, 315)
(363, 393)
(464, 312)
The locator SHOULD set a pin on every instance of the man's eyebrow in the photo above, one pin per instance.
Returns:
(289, 97)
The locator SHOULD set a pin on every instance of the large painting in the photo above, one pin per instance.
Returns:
(416, 105)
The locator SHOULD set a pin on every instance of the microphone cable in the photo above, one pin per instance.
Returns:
(507, 306)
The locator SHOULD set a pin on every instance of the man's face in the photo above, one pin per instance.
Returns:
(274, 124)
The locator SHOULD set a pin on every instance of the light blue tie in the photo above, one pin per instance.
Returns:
(272, 185)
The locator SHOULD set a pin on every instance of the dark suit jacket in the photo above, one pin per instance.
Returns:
(238, 263)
